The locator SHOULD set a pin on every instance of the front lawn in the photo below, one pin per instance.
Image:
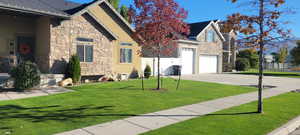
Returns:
(272, 73)
(240, 120)
(97, 103)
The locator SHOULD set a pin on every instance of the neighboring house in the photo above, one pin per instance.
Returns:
(48, 32)
(229, 50)
(202, 52)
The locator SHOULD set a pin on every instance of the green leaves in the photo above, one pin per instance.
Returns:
(73, 69)
(26, 75)
(295, 52)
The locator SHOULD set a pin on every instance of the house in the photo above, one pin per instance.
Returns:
(48, 32)
(229, 49)
(203, 52)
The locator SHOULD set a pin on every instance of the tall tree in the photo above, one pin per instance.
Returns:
(158, 24)
(295, 53)
(283, 53)
(124, 12)
(275, 57)
(115, 4)
(259, 29)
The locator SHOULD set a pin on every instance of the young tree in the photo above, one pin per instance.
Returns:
(260, 28)
(158, 24)
(295, 53)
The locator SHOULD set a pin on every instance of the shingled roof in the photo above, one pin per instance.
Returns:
(59, 8)
(197, 28)
(32, 6)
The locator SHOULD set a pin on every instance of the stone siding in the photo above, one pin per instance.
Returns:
(64, 41)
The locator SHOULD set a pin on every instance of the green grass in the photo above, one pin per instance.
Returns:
(271, 73)
(240, 120)
(97, 103)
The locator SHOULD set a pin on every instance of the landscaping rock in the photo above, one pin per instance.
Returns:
(110, 78)
(66, 82)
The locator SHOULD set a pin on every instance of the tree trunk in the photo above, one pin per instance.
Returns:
(158, 72)
(261, 58)
(260, 81)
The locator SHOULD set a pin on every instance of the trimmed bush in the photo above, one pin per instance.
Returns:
(147, 72)
(251, 55)
(73, 69)
(26, 75)
(242, 64)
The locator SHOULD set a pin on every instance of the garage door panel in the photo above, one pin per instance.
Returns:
(187, 58)
(208, 64)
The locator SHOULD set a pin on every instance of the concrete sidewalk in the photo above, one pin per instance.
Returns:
(147, 122)
(297, 132)
(10, 95)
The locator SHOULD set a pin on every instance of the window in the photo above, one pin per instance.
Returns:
(126, 55)
(126, 44)
(84, 39)
(210, 37)
(85, 53)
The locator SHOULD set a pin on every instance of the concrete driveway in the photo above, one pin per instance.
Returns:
(236, 79)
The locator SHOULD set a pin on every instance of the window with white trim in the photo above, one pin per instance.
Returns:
(85, 53)
(125, 55)
(210, 37)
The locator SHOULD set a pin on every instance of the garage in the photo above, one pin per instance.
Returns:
(208, 64)
(188, 60)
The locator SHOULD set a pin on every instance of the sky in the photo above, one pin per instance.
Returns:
(203, 10)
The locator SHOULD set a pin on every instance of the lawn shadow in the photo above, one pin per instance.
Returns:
(275, 74)
(51, 113)
(232, 114)
(265, 86)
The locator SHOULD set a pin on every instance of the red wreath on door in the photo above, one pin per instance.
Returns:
(24, 49)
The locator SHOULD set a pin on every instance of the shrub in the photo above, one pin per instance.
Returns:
(26, 75)
(251, 55)
(134, 74)
(242, 64)
(73, 69)
(147, 71)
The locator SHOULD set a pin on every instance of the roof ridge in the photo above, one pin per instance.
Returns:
(208, 21)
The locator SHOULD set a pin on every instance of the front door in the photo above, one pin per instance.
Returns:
(25, 49)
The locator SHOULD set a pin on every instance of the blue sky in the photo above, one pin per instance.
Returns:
(202, 10)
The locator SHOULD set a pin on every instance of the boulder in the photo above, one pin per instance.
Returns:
(109, 77)
(66, 82)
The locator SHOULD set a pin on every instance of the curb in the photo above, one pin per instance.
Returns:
(288, 128)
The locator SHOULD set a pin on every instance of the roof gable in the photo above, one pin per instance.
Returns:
(199, 28)
(84, 8)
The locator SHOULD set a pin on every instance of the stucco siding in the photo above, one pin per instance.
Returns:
(11, 27)
(42, 46)
(123, 34)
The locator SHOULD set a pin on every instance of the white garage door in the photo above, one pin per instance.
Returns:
(208, 64)
(187, 58)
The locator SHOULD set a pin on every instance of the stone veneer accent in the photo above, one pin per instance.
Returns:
(63, 44)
